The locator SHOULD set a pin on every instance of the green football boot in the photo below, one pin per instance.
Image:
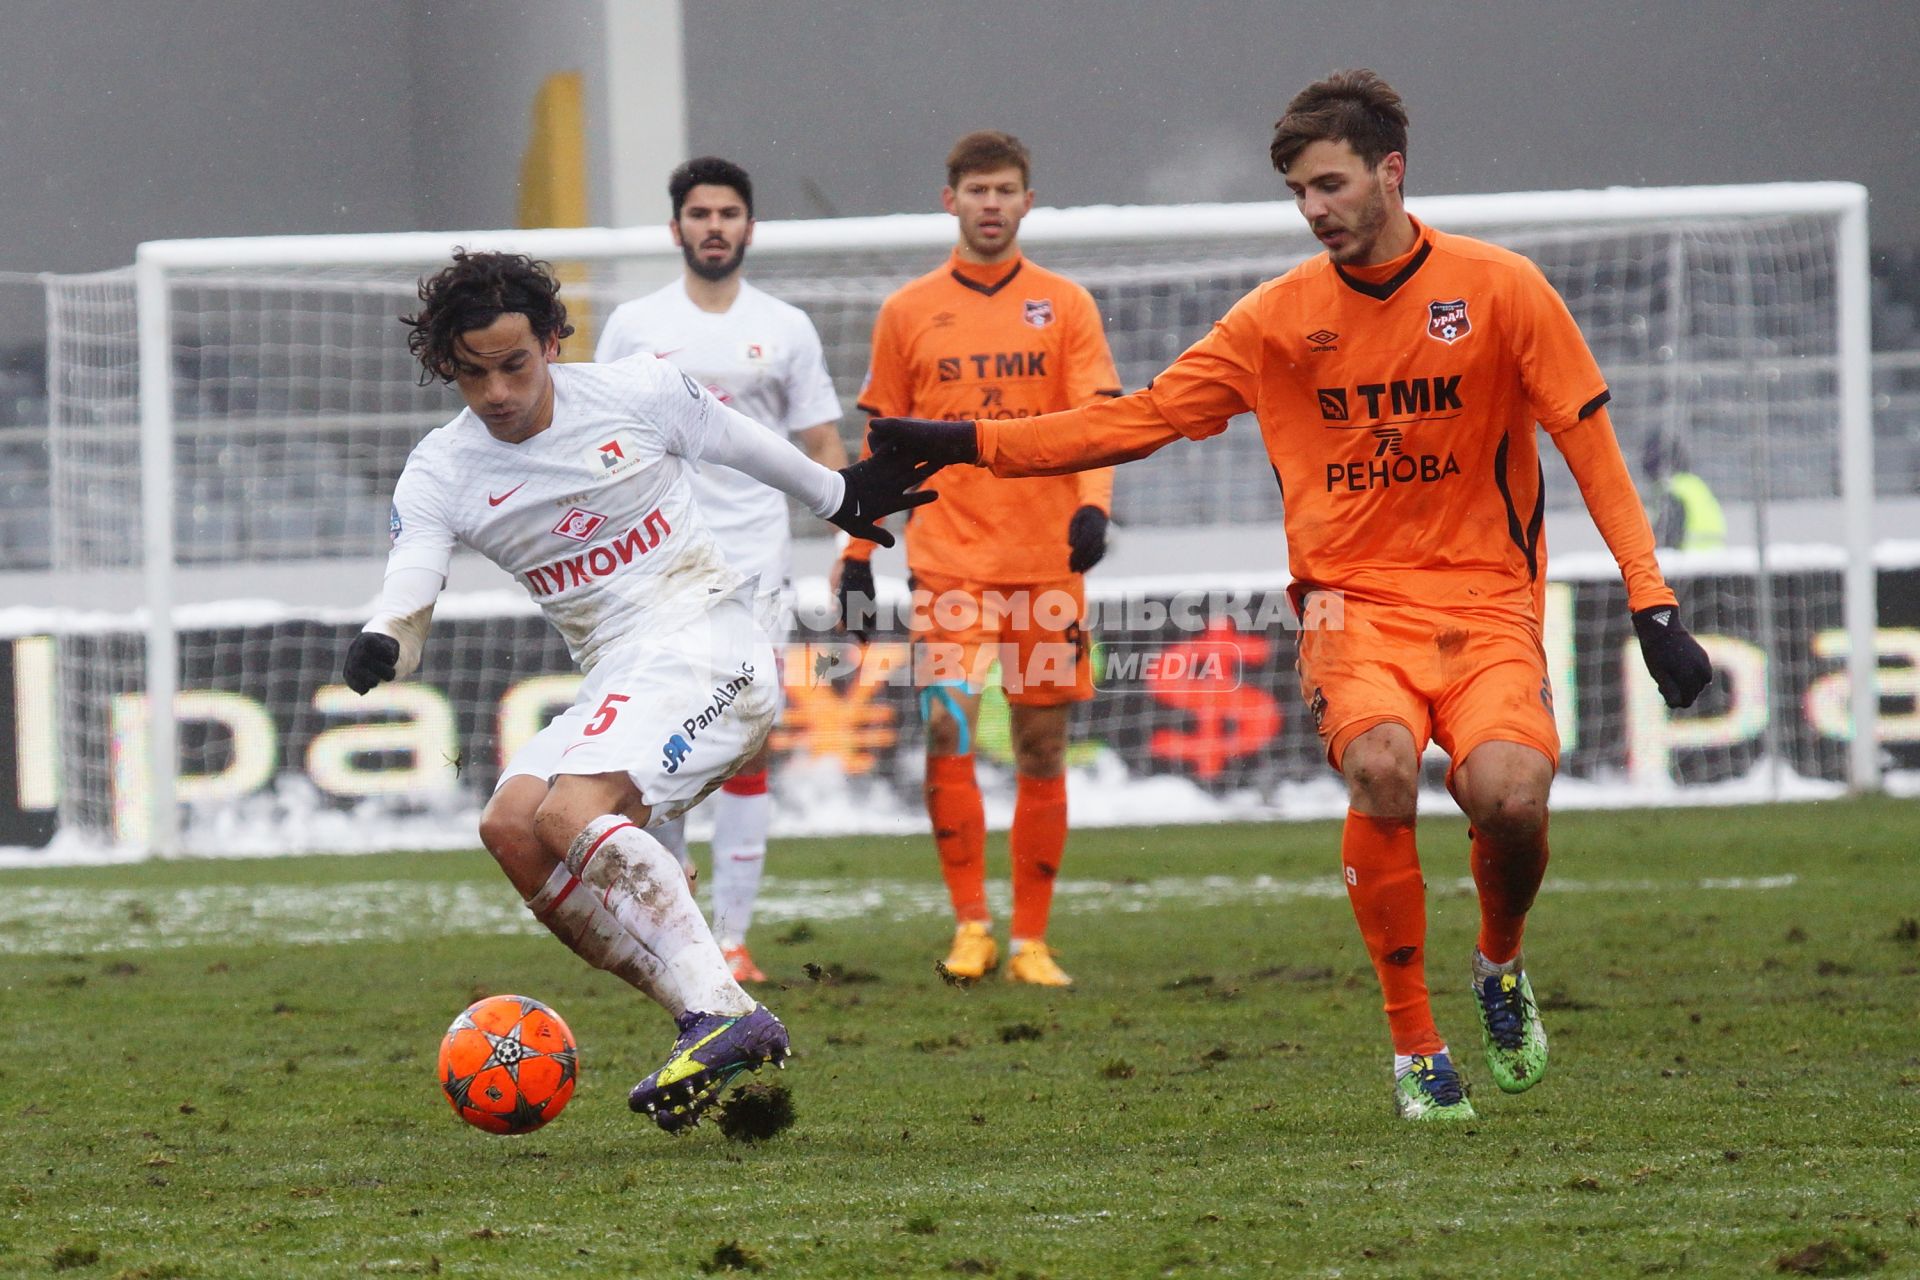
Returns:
(1433, 1090)
(1510, 1029)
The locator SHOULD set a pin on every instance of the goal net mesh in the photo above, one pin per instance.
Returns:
(295, 404)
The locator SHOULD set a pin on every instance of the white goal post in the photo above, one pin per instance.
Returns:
(1205, 236)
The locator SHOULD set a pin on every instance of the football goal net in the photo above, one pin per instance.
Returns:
(230, 416)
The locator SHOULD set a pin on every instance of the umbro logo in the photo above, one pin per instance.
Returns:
(1322, 340)
(942, 319)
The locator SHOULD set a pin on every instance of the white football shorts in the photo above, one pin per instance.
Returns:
(678, 712)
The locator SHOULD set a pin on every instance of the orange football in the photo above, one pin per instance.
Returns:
(508, 1064)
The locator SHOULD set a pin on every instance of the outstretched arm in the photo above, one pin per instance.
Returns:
(732, 439)
(1098, 435)
(854, 498)
(1198, 394)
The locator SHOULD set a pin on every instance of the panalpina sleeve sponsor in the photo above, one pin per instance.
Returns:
(1000, 343)
(1398, 406)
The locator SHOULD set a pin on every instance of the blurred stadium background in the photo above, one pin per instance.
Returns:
(491, 113)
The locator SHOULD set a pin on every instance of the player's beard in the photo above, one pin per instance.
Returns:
(995, 250)
(1363, 229)
(715, 271)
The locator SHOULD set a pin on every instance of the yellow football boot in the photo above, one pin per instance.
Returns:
(1033, 963)
(974, 954)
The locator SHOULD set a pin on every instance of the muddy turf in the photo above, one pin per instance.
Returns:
(226, 1069)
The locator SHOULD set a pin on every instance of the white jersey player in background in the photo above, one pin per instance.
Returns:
(573, 479)
(761, 356)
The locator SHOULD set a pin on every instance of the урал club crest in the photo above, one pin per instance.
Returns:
(1447, 321)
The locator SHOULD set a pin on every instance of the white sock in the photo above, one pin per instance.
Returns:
(576, 916)
(739, 856)
(1403, 1062)
(1484, 968)
(659, 911)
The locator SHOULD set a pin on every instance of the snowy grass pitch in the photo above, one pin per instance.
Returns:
(225, 1069)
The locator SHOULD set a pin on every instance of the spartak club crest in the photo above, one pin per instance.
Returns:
(1447, 321)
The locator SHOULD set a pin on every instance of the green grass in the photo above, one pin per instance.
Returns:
(1735, 1085)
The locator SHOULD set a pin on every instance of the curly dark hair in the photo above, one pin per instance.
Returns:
(1355, 107)
(473, 291)
(708, 171)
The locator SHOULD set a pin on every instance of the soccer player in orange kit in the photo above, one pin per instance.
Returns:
(990, 334)
(1397, 379)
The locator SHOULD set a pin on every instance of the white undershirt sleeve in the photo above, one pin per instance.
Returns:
(732, 439)
(405, 611)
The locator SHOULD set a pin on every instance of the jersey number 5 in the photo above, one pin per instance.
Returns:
(603, 718)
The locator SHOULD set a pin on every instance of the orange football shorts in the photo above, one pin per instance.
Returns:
(960, 628)
(1457, 678)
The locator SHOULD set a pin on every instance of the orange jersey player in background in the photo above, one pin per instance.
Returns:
(989, 334)
(1397, 379)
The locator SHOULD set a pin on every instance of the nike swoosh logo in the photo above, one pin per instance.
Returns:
(494, 502)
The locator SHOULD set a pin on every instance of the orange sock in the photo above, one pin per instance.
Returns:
(1390, 903)
(1038, 838)
(1508, 878)
(959, 833)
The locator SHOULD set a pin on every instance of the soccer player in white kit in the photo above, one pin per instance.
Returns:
(761, 356)
(573, 479)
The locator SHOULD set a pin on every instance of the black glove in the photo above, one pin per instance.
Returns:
(857, 607)
(371, 658)
(876, 488)
(1087, 535)
(925, 438)
(1677, 662)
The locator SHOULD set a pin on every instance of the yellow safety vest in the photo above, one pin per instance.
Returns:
(1706, 524)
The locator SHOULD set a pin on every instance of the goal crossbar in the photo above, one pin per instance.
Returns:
(1111, 223)
(158, 264)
